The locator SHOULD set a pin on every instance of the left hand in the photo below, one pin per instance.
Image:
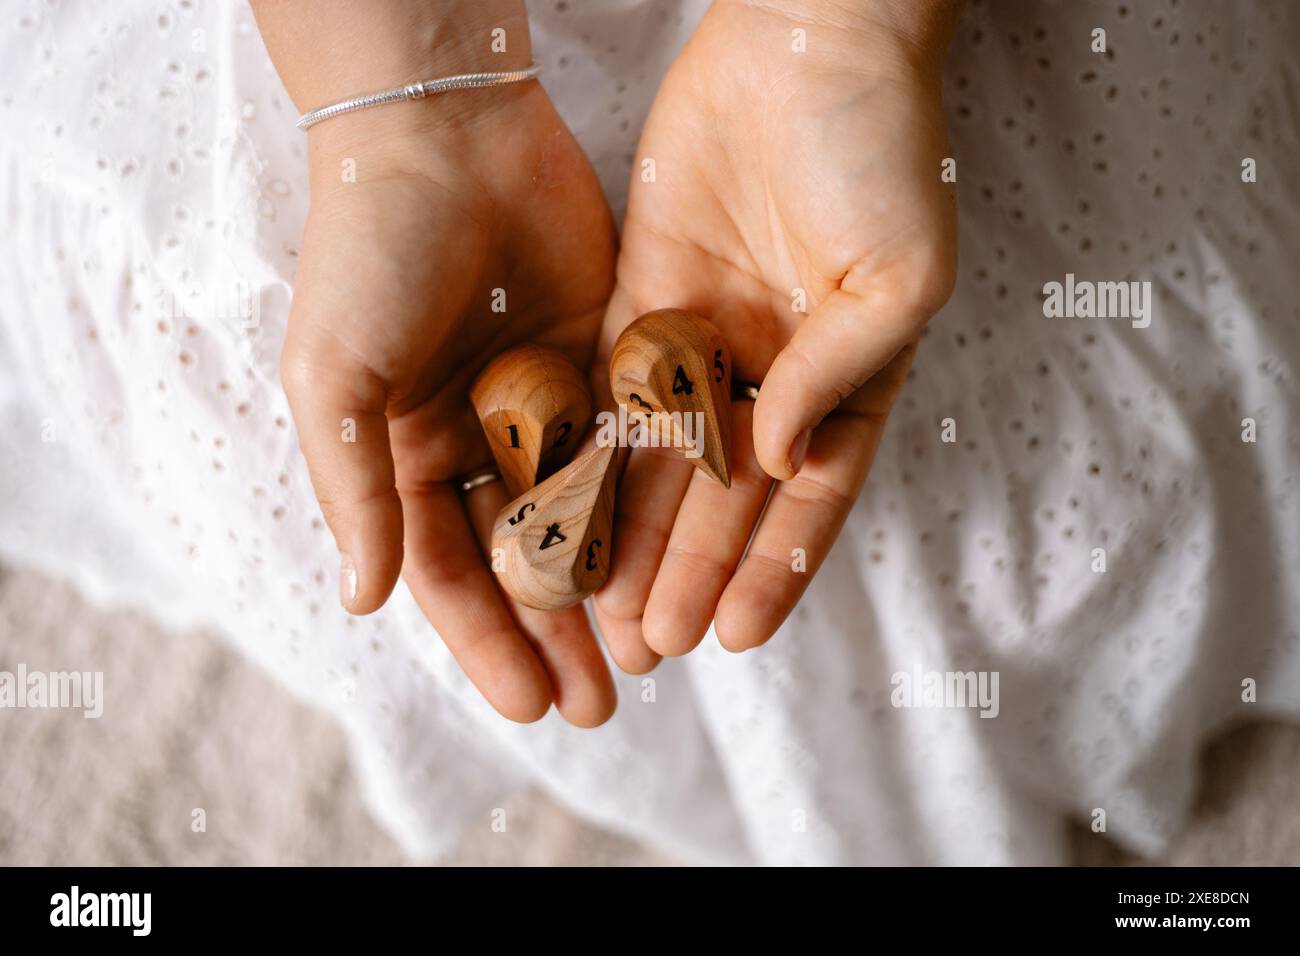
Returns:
(455, 199)
(775, 171)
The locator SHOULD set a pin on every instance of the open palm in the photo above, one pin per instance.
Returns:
(793, 196)
(451, 246)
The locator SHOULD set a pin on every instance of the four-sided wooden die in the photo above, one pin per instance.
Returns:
(534, 406)
(551, 545)
(675, 364)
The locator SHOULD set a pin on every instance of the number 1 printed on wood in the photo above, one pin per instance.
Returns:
(534, 406)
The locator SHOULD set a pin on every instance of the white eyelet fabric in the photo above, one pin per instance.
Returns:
(147, 451)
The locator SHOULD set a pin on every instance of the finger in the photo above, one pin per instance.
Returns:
(707, 541)
(847, 339)
(339, 409)
(583, 688)
(649, 490)
(648, 497)
(452, 584)
(805, 514)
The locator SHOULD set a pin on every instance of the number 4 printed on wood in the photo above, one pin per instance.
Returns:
(675, 361)
(555, 539)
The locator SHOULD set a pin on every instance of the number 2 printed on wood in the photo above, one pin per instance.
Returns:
(531, 401)
(675, 361)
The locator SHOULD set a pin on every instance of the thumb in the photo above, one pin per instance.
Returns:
(848, 337)
(339, 409)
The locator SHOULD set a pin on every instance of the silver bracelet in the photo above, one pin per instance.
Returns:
(415, 91)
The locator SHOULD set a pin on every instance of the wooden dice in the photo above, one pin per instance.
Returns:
(534, 406)
(551, 543)
(551, 546)
(674, 363)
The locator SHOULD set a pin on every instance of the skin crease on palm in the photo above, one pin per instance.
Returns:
(774, 171)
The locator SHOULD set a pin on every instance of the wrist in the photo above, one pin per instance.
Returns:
(446, 145)
(327, 51)
(921, 29)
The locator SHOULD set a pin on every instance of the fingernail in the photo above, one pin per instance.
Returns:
(799, 451)
(347, 579)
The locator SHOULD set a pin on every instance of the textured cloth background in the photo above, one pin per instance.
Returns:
(196, 726)
(146, 451)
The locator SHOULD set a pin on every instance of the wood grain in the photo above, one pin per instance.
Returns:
(671, 360)
(534, 406)
(551, 546)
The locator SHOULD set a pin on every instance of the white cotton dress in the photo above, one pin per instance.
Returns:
(146, 449)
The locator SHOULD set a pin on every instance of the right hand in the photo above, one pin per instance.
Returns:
(813, 171)
(454, 197)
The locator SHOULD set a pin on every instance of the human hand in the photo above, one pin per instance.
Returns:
(455, 196)
(774, 171)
